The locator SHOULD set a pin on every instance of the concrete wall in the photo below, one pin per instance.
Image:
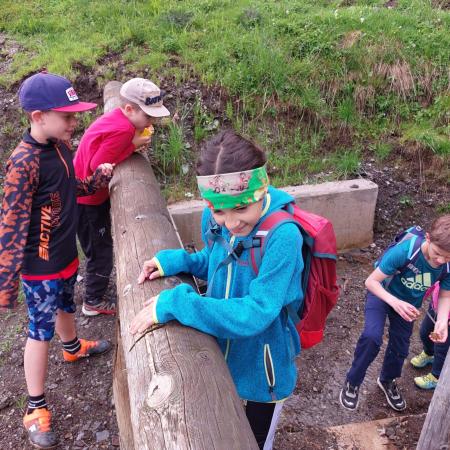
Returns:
(350, 205)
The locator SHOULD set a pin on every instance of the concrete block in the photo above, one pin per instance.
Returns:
(349, 204)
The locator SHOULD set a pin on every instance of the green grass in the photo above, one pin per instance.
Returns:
(381, 150)
(315, 65)
(443, 208)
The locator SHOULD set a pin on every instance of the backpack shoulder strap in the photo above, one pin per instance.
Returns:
(445, 271)
(265, 230)
(415, 235)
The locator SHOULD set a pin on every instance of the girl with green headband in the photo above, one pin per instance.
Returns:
(246, 312)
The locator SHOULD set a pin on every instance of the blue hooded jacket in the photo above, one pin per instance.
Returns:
(245, 312)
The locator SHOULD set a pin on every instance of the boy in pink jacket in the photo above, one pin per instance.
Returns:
(111, 138)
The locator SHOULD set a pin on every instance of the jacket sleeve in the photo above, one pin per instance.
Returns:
(91, 184)
(173, 262)
(21, 181)
(114, 148)
(251, 314)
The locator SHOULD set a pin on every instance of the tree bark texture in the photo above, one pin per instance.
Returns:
(173, 390)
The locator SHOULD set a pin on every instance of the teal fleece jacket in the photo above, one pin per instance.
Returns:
(245, 312)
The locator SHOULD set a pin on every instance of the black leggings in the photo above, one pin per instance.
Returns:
(260, 417)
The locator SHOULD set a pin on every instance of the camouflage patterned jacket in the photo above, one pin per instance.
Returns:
(39, 216)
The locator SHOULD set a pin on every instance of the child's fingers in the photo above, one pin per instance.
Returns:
(154, 275)
(408, 311)
(134, 325)
(148, 267)
(435, 337)
(138, 322)
(141, 278)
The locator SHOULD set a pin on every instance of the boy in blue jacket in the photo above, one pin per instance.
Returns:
(247, 313)
(396, 291)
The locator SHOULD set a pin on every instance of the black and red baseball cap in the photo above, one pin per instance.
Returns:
(46, 91)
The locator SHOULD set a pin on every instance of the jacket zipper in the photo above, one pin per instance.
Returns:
(63, 161)
(227, 292)
(270, 371)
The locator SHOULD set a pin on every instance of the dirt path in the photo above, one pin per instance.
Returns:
(81, 394)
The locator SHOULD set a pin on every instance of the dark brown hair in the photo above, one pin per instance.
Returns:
(229, 152)
(440, 232)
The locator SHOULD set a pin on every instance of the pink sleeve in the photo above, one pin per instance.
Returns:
(114, 149)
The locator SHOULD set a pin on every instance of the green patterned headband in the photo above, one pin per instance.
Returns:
(231, 190)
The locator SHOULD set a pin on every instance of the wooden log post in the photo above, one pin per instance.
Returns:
(173, 390)
(435, 433)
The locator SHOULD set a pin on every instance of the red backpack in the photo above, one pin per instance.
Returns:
(318, 279)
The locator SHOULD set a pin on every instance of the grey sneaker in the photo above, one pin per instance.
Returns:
(349, 396)
(393, 396)
(101, 307)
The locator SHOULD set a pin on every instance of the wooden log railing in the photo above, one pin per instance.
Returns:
(435, 433)
(173, 390)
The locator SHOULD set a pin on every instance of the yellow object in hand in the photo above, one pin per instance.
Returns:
(148, 131)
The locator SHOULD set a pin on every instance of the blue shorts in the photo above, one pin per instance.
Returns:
(44, 298)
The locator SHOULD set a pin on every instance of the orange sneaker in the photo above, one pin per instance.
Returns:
(88, 348)
(39, 428)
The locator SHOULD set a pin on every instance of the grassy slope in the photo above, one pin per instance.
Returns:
(317, 82)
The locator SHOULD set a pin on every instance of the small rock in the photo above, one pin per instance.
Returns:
(390, 433)
(101, 436)
(96, 426)
(115, 441)
(6, 402)
(80, 436)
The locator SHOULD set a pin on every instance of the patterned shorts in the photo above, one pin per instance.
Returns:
(43, 298)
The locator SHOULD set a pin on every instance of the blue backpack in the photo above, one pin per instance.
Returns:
(416, 235)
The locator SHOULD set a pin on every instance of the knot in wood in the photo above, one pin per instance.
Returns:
(204, 357)
(159, 390)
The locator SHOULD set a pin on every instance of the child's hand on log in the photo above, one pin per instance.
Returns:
(440, 333)
(106, 169)
(150, 271)
(145, 317)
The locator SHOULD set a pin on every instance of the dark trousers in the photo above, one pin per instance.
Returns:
(260, 417)
(438, 350)
(94, 234)
(371, 339)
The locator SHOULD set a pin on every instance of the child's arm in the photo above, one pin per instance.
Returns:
(236, 317)
(99, 180)
(440, 333)
(172, 262)
(406, 310)
(116, 147)
(21, 181)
